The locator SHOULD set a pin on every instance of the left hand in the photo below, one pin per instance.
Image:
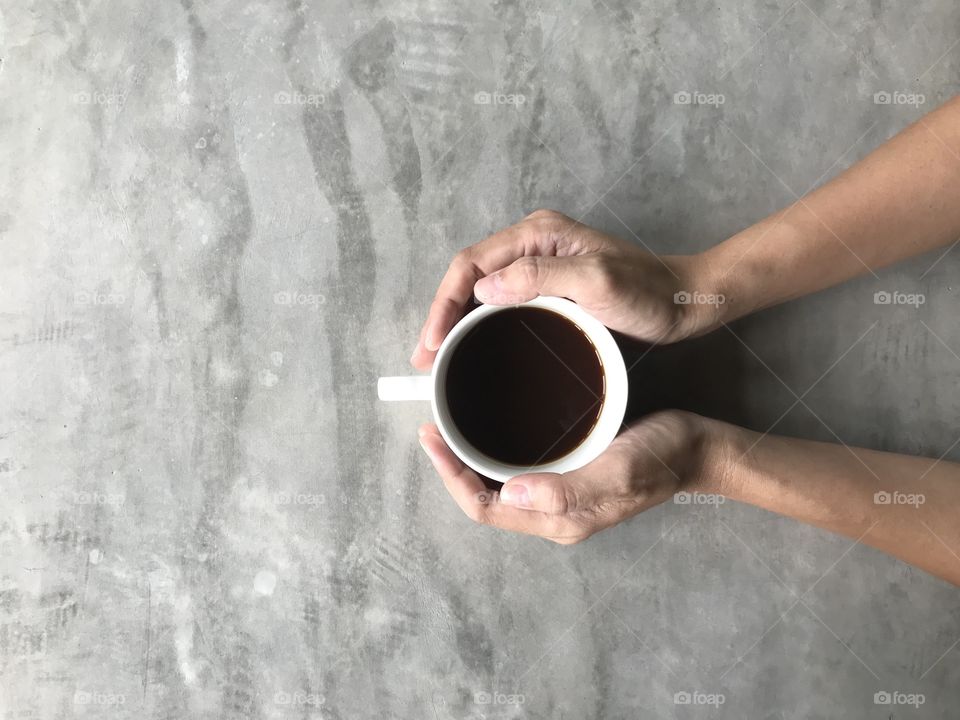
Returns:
(658, 456)
(625, 287)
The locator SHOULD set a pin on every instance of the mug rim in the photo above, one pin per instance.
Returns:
(612, 410)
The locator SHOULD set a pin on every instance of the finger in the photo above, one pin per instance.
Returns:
(482, 505)
(456, 288)
(421, 358)
(556, 494)
(493, 253)
(463, 484)
(530, 277)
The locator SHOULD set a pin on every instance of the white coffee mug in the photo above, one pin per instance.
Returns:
(432, 387)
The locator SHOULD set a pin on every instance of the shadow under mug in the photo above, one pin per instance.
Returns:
(432, 388)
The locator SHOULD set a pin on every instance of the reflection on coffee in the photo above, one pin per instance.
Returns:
(525, 386)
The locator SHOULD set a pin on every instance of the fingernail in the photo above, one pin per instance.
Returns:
(488, 286)
(421, 432)
(429, 341)
(423, 444)
(516, 495)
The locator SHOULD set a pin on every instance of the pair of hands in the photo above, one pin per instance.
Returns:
(628, 290)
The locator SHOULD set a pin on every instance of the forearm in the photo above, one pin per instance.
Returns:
(906, 506)
(901, 200)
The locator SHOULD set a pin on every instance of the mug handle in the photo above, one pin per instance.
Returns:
(413, 387)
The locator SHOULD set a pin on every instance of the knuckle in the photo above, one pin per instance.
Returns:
(463, 259)
(527, 270)
(544, 213)
(546, 225)
(554, 224)
(560, 499)
(529, 232)
(441, 305)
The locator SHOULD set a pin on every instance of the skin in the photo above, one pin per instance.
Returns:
(901, 200)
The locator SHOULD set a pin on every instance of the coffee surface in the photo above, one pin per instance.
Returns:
(525, 386)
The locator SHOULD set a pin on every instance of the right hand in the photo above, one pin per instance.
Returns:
(626, 288)
(658, 456)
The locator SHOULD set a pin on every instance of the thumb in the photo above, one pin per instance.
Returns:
(528, 277)
(549, 493)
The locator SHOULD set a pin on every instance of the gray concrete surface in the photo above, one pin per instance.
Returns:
(221, 221)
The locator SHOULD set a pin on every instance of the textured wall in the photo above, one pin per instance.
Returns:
(221, 221)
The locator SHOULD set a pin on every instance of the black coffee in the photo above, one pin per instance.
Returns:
(525, 386)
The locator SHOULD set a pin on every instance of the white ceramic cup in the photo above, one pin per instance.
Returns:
(432, 387)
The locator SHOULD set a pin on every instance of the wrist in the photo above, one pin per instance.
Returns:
(720, 459)
(701, 297)
(751, 270)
